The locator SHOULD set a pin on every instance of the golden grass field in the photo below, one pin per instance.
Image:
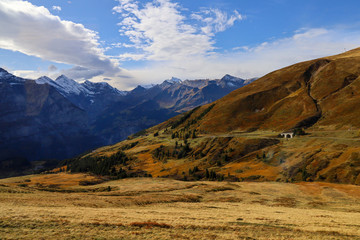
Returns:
(55, 206)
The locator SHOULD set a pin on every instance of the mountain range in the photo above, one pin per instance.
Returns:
(44, 119)
(238, 137)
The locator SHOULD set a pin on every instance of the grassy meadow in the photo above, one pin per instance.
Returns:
(57, 206)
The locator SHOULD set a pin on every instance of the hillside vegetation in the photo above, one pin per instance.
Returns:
(236, 138)
(59, 206)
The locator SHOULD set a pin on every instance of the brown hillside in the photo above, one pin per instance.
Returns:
(323, 90)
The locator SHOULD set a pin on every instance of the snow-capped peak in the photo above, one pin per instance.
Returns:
(8, 77)
(170, 82)
(174, 80)
(71, 86)
(47, 80)
(43, 80)
(228, 77)
(97, 87)
(148, 86)
(4, 73)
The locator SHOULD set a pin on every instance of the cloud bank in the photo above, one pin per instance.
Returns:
(159, 31)
(177, 42)
(35, 31)
(167, 39)
(257, 60)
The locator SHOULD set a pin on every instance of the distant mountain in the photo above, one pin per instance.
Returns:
(92, 97)
(145, 107)
(37, 122)
(47, 119)
(181, 96)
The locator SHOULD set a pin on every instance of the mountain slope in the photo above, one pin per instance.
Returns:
(145, 107)
(92, 97)
(37, 122)
(321, 92)
(236, 137)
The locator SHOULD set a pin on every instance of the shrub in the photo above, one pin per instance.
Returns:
(150, 225)
(299, 132)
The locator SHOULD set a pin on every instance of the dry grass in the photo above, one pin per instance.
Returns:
(148, 208)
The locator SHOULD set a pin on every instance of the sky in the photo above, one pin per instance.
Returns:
(128, 42)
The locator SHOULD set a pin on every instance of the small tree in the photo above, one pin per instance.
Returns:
(207, 174)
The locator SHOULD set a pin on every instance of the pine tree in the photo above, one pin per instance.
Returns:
(207, 174)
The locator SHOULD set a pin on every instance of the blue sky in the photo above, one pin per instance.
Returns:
(141, 42)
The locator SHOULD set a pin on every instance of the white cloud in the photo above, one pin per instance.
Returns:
(256, 61)
(56, 8)
(52, 68)
(35, 31)
(305, 44)
(216, 20)
(244, 61)
(181, 46)
(81, 73)
(159, 31)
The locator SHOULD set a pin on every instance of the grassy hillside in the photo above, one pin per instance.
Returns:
(321, 93)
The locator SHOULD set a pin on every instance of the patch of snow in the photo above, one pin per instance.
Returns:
(228, 77)
(47, 80)
(98, 87)
(230, 84)
(174, 80)
(70, 86)
(43, 80)
(8, 77)
(148, 86)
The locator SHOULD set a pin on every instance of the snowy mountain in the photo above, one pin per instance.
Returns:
(47, 80)
(70, 86)
(5, 76)
(147, 86)
(228, 77)
(174, 80)
(98, 88)
(38, 122)
(231, 81)
(90, 96)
